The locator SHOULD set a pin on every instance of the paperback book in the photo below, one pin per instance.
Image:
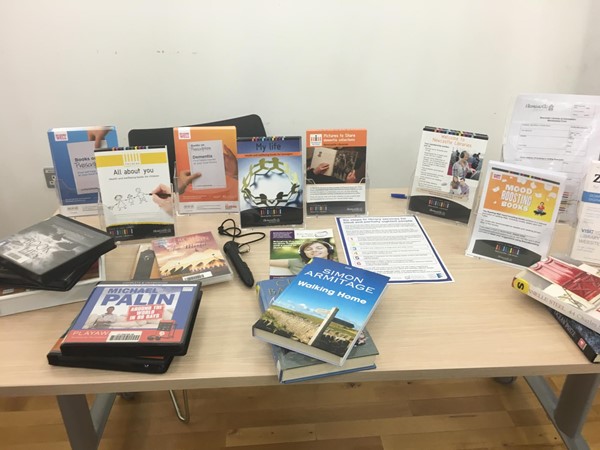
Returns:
(76, 182)
(291, 250)
(517, 214)
(447, 174)
(292, 366)
(135, 190)
(206, 169)
(270, 181)
(336, 162)
(323, 311)
(49, 252)
(15, 300)
(137, 318)
(588, 341)
(565, 285)
(143, 364)
(194, 257)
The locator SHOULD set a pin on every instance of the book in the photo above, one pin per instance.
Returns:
(194, 257)
(336, 163)
(290, 250)
(270, 181)
(144, 264)
(448, 168)
(565, 285)
(588, 341)
(135, 190)
(516, 216)
(52, 249)
(72, 151)
(143, 364)
(137, 318)
(323, 311)
(292, 366)
(206, 169)
(15, 300)
(586, 241)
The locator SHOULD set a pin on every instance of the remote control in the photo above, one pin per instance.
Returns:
(232, 250)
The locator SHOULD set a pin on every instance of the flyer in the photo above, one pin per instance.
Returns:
(397, 247)
(447, 173)
(517, 214)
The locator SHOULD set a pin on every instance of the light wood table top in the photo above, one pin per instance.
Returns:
(477, 326)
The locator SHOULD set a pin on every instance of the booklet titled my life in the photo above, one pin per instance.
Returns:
(323, 311)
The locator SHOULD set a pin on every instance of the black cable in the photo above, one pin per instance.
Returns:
(235, 232)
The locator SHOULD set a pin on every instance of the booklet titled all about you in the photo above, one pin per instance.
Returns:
(323, 311)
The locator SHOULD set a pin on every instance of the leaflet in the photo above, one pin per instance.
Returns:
(517, 214)
(397, 247)
(556, 132)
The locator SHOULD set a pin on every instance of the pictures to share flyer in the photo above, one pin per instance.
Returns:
(517, 214)
(447, 173)
(336, 171)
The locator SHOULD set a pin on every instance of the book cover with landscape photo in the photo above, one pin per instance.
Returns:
(323, 311)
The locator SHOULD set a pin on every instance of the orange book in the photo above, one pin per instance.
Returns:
(206, 169)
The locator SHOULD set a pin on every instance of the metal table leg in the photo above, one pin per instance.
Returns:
(569, 411)
(85, 425)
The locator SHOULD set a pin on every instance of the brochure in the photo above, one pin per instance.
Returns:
(447, 173)
(517, 214)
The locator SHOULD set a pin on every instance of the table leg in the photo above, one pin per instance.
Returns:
(85, 425)
(569, 411)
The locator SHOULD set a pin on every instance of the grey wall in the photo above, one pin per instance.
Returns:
(391, 66)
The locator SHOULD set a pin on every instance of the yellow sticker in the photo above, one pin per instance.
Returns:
(521, 285)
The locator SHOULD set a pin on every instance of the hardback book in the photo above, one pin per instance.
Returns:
(143, 364)
(137, 318)
(135, 190)
(53, 249)
(145, 266)
(290, 250)
(588, 341)
(517, 213)
(206, 169)
(323, 311)
(194, 257)
(270, 181)
(292, 366)
(565, 285)
(72, 151)
(448, 168)
(336, 171)
(15, 300)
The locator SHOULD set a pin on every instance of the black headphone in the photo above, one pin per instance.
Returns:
(306, 244)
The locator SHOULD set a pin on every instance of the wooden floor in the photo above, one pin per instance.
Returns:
(456, 414)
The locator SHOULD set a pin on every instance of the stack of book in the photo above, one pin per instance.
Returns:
(571, 291)
(58, 254)
(136, 326)
(316, 320)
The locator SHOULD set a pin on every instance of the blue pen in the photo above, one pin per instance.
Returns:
(398, 195)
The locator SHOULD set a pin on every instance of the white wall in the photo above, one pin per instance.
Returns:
(392, 66)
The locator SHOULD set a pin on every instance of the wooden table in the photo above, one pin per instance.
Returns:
(477, 326)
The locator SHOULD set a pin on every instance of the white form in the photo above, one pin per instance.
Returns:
(559, 133)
